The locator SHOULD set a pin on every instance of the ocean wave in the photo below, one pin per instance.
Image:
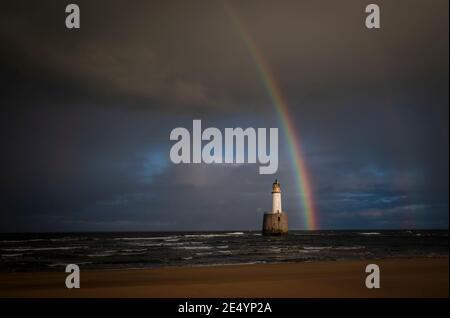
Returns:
(134, 250)
(67, 239)
(230, 264)
(319, 248)
(227, 252)
(349, 248)
(192, 247)
(130, 253)
(174, 244)
(124, 252)
(65, 264)
(204, 254)
(22, 241)
(32, 249)
(120, 250)
(148, 244)
(164, 244)
(57, 265)
(308, 251)
(182, 243)
(145, 238)
(213, 235)
(103, 253)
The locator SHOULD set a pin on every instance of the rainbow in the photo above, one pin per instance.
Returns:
(267, 77)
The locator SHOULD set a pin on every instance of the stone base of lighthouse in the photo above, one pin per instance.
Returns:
(275, 224)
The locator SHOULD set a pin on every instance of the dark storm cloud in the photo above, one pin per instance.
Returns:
(172, 53)
(86, 114)
(189, 53)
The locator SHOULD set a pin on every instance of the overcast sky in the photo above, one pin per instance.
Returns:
(86, 114)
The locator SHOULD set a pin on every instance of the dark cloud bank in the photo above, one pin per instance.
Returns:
(86, 115)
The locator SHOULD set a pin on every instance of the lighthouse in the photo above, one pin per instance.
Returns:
(276, 197)
(276, 221)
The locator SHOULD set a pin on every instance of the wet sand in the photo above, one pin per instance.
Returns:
(399, 278)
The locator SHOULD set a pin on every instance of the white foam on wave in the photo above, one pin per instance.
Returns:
(369, 233)
(192, 247)
(319, 248)
(103, 253)
(349, 248)
(12, 255)
(131, 253)
(308, 251)
(148, 244)
(227, 252)
(27, 249)
(134, 250)
(21, 241)
(181, 243)
(145, 238)
(165, 243)
(67, 239)
(213, 235)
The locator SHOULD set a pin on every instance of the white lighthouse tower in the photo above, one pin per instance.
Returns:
(276, 221)
(276, 197)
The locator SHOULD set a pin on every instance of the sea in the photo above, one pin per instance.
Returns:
(52, 252)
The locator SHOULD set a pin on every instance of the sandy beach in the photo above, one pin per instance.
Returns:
(399, 278)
